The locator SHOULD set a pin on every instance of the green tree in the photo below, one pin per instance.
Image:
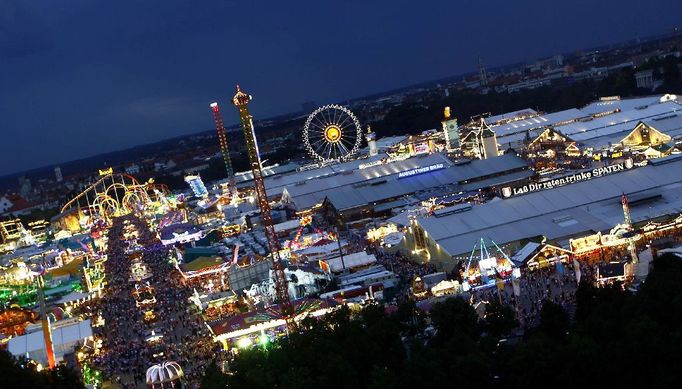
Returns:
(410, 318)
(454, 316)
(214, 378)
(17, 374)
(616, 339)
(500, 319)
(554, 320)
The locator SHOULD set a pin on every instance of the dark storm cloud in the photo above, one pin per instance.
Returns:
(82, 77)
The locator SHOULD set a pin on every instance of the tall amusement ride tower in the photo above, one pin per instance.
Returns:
(225, 150)
(241, 101)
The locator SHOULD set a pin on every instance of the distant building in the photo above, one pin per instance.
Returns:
(24, 186)
(645, 79)
(371, 142)
(132, 169)
(450, 130)
(19, 205)
(197, 185)
(5, 204)
(191, 166)
(58, 174)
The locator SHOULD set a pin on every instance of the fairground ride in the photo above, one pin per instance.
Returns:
(487, 267)
(332, 133)
(225, 150)
(115, 195)
(241, 101)
(301, 240)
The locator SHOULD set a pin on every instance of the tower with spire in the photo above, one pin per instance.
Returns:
(371, 138)
(482, 74)
(450, 131)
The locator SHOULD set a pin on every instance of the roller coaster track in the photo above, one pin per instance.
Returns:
(115, 194)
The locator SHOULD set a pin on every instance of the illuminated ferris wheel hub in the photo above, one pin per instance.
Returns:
(332, 133)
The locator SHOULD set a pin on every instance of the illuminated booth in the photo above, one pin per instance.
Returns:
(540, 255)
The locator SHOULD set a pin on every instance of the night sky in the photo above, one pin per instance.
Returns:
(81, 77)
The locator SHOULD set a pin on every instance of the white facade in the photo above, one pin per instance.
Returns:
(67, 334)
(133, 169)
(5, 204)
(58, 174)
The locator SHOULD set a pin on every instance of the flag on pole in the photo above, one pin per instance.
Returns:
(576, 267)
(499, 280)
(560, 268)
(516, 285)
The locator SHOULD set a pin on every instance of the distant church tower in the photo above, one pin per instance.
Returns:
(450, 131)
(482, 74)
(58, 174)
(371, 142)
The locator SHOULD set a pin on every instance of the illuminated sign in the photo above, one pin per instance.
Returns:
(370, 164)
(421, 170)
(610, 98)
(577, 177)
(421, 148)
(105, 172)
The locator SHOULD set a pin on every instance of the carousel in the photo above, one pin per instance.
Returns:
(486, 269)
(165, 375)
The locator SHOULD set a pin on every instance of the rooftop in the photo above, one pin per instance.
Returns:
(459, 177)
(565, 211)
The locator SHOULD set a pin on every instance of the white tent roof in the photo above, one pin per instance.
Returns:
(509, 115)
(564, 211)
(622, 104)
(61, 336)
(351, 260)
(287, 225)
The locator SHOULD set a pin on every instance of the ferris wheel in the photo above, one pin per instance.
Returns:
(332, 133)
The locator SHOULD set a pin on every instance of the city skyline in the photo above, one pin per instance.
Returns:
(76, 94)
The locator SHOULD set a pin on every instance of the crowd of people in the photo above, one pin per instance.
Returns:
(137, 336)
(556, 284)
(553, 283)
(402, 266)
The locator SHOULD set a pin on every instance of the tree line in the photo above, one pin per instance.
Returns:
(615, 338)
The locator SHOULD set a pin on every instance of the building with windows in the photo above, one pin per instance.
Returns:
(450, 131)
